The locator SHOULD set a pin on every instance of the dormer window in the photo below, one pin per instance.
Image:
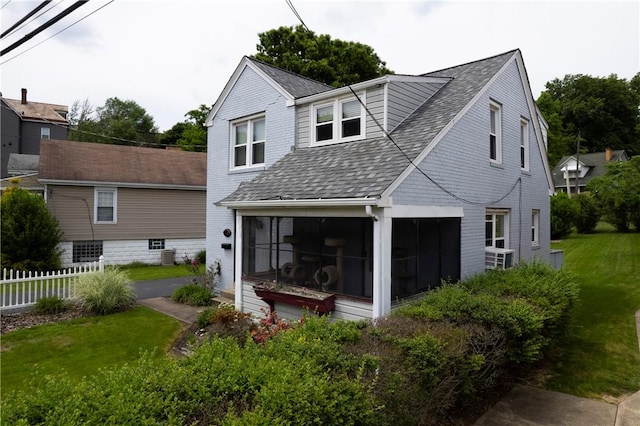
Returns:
(338, 121)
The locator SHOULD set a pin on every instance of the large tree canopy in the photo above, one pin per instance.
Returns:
(602, 111)
(116, 122)
(190, 134)
(319, 57)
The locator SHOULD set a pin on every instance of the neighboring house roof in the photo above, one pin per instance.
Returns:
(292, 86)
(368, 168)
(595, 162)
(29, 182)
(38, 110)
(21, 164)
(75, 163)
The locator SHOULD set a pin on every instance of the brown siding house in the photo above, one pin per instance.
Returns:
(126, 203)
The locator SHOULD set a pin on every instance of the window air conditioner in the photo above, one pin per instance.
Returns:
(497, 258)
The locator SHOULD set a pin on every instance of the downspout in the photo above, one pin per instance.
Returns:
(369, 212)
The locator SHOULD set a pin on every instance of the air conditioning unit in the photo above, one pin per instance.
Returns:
(167, 257)
(498, 258)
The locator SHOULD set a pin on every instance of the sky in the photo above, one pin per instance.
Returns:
(171, 56)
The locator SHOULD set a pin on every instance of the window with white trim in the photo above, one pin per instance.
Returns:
(106, 205)
(338, 121)
(45, 133)
(535, 227)
(495, 133)
(248, 140)
(524, 143)
(497, 229)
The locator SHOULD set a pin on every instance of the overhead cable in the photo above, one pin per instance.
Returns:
(25, 17)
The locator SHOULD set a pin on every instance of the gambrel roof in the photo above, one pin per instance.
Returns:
(370, 168)
(84, 163)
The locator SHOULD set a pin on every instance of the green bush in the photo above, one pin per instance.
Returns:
(30, 233)
(201, 257)
(563, 213)
(587, 215)
(49, 305)
(105, 292)
(193, 294)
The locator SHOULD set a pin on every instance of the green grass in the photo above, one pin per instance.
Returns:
(82, 346)
(155, 272)
(601, 357)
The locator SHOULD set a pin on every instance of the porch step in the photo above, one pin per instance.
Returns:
(227, 295)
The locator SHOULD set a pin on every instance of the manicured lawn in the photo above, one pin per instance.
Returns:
(82, 346)
(601, 358)
(155, 272)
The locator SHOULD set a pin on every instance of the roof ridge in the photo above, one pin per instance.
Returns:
(509, 52)
(287, 71)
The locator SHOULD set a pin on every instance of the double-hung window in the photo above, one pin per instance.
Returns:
(248, 142)
(106, 202)
(45, 133)
(495, 133)
(535, 228)
(524, 144)
(497, 229)
(338, 121)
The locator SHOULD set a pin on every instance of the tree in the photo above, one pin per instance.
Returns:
(30, 233)
(604, 111)
(617, 193)
(563, 212)
(321, 58)
(190, 134)
(116, 122)
(587, 213)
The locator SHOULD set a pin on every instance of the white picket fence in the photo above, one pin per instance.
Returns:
(24, 288)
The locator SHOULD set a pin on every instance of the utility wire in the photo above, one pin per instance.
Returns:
(53, 6)
(44, 26)
(5, 5)
(25, 17)
(65, 28)
(388, 136)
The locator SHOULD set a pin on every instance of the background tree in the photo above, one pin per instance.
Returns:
(618, 195)
(116, 122)
(603, 110)
(321, 58)
(563, 212)
(190, 134)
(30, 233)
(587, 213)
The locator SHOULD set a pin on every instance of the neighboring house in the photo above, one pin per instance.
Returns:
(29, 182)
(126, 203)
(305, 188)
(25, 123)
(576, 171)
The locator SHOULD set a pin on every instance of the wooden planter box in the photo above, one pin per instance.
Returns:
(313, 300)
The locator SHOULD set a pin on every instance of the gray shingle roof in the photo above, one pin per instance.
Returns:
(297, 85)
(366, 168)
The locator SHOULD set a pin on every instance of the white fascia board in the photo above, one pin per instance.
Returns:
(121, 184)
(534, 112)
(410, 168)
(321, 202)
(406, 211)
(244, 63)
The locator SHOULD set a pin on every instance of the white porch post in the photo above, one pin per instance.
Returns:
(381, 266)
(238, 263)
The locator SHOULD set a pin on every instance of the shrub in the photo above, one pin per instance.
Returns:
(201, 257)
(225, 321)
(192, 294)
(587, 215)
(30, 233)
(563, 212)
(105, 292)
(49, 305)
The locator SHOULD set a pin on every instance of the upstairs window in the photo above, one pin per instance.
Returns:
(495, 133)
(338, 121)
(248, 142)
(105, 201)
(535, 228)
(524, 144)
(45, 133)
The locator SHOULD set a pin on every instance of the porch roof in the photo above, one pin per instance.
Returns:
(365, 169)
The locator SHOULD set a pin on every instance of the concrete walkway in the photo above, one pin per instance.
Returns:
(185, 313)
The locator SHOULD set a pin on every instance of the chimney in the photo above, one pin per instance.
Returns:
(608, 153)
(24, 96)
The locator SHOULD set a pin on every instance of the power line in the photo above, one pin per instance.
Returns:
(44, 26)
(65, 28)
(388, 136)
(53, 6)
(25, 17)
(5, 5)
